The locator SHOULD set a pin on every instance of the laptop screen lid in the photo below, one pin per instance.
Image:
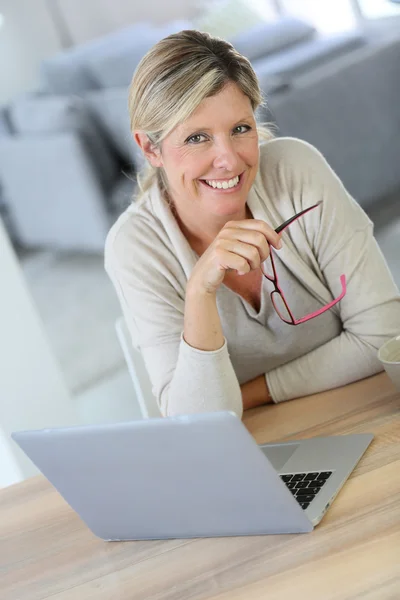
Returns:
(201, 475)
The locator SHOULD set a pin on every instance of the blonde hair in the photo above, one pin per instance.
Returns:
(174, 77)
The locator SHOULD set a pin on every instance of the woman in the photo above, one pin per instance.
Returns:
(227, 313)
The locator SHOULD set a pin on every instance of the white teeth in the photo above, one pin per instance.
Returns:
(223, 184)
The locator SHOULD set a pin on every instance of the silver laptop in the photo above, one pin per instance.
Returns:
(201, 475)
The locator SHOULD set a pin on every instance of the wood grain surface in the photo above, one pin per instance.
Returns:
(47, 552)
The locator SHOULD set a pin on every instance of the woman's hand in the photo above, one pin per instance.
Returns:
(240, 246)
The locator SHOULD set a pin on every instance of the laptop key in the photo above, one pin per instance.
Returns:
(313, 490)
(301, 484)
(291, 485)
(324, 475)
(298, 477)
(311, 476)
(286, 478)
(304, 504)
(317, 482)
(304, 497)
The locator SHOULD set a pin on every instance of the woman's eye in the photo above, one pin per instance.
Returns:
(195, 139)
(242, 128)
(199, 138)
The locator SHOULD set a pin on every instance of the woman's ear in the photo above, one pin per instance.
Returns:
(150, 151)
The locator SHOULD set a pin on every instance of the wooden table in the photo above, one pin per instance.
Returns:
(47, 552)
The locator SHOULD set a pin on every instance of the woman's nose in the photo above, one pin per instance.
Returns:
(226, 156)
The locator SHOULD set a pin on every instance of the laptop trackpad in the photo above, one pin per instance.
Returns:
(278, 455)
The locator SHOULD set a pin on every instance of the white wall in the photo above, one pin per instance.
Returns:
(26, 37)
(32, 391)
(87, 19)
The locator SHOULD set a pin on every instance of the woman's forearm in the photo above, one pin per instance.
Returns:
(255, 393)
(203, 330)
(342, 360)
(202, 324)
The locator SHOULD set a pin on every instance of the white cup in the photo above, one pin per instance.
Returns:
(389, 355)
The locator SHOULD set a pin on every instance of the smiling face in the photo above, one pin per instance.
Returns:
(210, 161)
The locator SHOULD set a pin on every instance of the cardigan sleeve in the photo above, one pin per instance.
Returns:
(343, 243)
(145, 275)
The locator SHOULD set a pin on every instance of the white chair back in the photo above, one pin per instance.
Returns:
(141, 382)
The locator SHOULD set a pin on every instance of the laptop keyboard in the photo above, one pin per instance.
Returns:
(305, 486)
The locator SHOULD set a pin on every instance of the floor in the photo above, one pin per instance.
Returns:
(78, 307)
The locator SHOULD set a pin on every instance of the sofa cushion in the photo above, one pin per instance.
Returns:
(38, 116)
(116, 68)
(123, 193)
(267, 38)
(5, 124)
(110, 106)
(67, 72)
(303, 57)
(53, 192)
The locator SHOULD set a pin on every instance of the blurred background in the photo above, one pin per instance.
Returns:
(330, 70)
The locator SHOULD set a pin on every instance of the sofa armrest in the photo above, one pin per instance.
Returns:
(39, 115)
(269, 38)
(350, 110)
(53, 192)
(305, 56)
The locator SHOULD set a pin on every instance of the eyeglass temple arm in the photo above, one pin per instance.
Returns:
(328, 306)
(286, 223)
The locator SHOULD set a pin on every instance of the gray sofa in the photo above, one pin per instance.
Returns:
(68, 162)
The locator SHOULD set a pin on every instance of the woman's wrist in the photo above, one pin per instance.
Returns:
(202, 324)
(194, 289)
(255, 393)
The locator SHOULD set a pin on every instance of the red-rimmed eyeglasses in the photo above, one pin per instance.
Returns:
(277, 296)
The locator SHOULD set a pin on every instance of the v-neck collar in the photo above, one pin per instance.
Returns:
(251, 311)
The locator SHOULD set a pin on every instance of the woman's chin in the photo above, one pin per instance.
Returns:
(226, 207)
